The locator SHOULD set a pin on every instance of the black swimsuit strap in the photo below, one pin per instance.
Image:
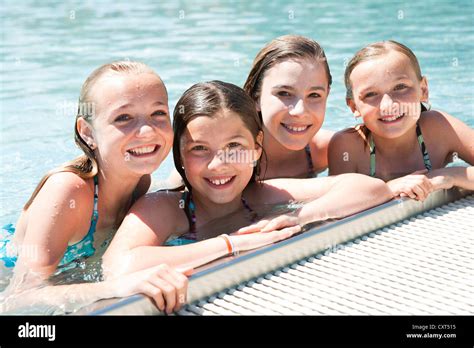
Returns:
(307, 149)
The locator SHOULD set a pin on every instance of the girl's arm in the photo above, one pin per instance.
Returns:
(148, 224)
(152, 219)
(346, 194)
(329, 197)
(164, 285)
(448, 135)
(445, 178)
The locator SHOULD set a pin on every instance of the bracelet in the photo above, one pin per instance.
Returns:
(230, 246)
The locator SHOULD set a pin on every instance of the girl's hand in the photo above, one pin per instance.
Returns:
(255, 240)
(166, 286)
(440, 181)
(416, 186)
(269, 224)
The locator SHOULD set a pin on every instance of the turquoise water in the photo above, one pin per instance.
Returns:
(49, 47)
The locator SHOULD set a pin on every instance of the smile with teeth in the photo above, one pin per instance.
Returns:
(391, 118)
(143, 150)
(297, 129)
(220, 181)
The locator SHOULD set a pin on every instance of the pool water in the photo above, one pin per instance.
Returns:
(49, 47)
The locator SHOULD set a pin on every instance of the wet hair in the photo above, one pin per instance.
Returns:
(86, 166)
(375, 50)
(283, 48)
(208, 99)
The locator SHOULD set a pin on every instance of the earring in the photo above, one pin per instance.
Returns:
(91, 146)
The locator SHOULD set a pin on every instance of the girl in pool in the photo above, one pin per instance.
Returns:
(290, 82)
(401, 141)
(123, 126)
(217, 134)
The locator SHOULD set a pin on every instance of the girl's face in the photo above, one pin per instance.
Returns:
(293, 101)
(218, 154)
(387, 94)
(132, 128)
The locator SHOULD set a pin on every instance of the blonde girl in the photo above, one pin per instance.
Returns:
(401, 140)
(123, 127)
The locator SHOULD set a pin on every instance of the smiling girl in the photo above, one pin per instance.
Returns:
(217, 146)
(401, 141)
(290, 82)
(123, 127)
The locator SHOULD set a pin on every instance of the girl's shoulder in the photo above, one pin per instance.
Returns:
(160, 213)
(161, 197)
(162, 203)
(347, 149)
(349, 136)
(443, 127)
(437, 120)
(59, 215)
(447, 135)
(68, 186)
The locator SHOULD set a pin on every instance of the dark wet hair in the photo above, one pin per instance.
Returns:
(208, 99)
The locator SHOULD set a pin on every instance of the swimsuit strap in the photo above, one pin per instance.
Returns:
(424, 152)
(421, 141)
(95, 212)
(190, 211)
(307, 149)
(372, 155)
(253, 215)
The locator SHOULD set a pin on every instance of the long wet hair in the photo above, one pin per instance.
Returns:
(86, 166)
(208, 99)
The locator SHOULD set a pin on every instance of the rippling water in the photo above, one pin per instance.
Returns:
(49, 47)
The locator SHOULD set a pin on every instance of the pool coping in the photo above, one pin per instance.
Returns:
(228, 272)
